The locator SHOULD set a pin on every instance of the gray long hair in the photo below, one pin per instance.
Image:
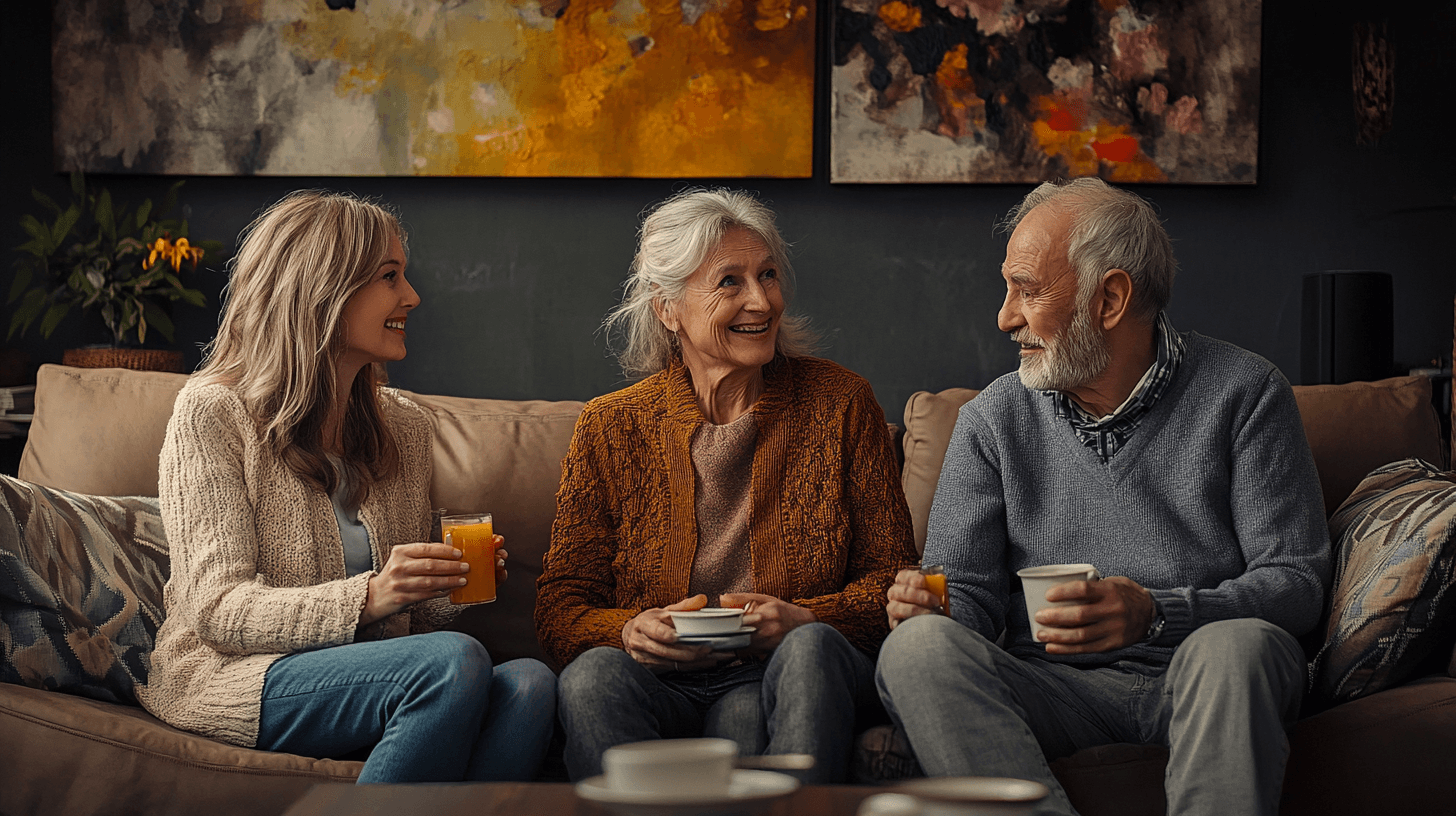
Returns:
(1111, 229)
(675, 239)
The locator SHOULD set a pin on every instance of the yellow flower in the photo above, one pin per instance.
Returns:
(174, 254)
(186, 252)
(159, 247)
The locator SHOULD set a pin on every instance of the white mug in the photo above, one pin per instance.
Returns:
(702, 767)
(1035, 581)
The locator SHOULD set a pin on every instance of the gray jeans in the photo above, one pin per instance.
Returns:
(1222, 707)
(803, 701)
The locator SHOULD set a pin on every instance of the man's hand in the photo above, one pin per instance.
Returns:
(908, 597)
(413, 573)
(500, 560)
(1108, 614)
(773, 617)
(651, 639)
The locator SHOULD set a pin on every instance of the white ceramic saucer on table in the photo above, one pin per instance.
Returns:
(748, 792)
(736, 639)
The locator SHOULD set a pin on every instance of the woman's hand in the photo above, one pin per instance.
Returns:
(413, 573)
(773, 617)
(651, 639)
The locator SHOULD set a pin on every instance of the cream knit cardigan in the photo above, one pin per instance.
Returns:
(257, 563)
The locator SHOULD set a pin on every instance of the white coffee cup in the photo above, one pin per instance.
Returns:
(1035, 581)
(713, 620)
(700, 767)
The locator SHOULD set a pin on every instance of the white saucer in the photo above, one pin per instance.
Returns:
(748, 792)
(735, 639)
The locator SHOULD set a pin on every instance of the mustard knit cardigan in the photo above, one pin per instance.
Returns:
(828, 524)
(257, 563)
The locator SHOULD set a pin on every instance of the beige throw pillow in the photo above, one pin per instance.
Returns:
(99, 430)
(929, 420)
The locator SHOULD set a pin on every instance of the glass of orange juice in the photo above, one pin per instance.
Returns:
(474, 535)
(935, 582)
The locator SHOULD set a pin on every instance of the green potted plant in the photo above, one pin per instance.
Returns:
(121, 264)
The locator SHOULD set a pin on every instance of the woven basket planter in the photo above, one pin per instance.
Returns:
(135, 359)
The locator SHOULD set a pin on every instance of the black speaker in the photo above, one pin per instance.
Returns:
(1348, 327)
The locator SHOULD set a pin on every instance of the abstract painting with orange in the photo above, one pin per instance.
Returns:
(1019, 91)
(648, 88)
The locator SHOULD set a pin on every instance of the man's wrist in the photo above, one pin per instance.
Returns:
(1155, 629)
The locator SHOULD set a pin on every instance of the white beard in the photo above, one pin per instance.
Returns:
(1067, 361)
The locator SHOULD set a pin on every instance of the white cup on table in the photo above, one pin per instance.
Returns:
(700, 767)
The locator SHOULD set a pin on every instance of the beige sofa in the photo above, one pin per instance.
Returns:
(99, 432)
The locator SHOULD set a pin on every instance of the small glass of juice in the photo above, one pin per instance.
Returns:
(935, 582)
(474, 535)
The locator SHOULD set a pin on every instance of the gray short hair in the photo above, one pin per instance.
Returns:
(1111, 229)
(676, 238)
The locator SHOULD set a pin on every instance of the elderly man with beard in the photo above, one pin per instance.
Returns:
(1174, 463)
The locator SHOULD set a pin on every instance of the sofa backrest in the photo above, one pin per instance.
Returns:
(1352, 429)
(100, 431)
(503, 457)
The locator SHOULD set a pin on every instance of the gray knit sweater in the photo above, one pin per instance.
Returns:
(1213, 505)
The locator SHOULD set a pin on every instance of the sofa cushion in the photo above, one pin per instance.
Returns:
(98, 430)
(81, 582)
(503, 457)
(1393, 606)
(65, 754)
(1356, 427)
(1381, 754)
(929, 420)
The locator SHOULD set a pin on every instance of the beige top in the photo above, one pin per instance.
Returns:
(257, 564)
(723, 466)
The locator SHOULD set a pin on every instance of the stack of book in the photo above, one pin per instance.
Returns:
(17, 407)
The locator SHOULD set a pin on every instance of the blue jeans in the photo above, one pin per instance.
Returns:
(429, 706)
(802, 701)
(1222, 707)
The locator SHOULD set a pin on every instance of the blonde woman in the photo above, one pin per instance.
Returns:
(294, 491)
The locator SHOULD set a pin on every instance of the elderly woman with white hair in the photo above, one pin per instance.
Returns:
(739, 472)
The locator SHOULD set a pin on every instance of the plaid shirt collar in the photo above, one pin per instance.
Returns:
(1107, 435)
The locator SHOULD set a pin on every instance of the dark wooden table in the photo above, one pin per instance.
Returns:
(527, 799)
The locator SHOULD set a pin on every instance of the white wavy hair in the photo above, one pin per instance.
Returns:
(1111, 229)
(676, 238)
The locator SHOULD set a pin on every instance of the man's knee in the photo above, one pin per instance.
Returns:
(1241, 645)
(925, 643)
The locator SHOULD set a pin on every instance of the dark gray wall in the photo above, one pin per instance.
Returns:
(515, 274)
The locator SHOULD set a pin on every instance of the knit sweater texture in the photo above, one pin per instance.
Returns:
(257, 563)
(828, 523)
(1213, 506)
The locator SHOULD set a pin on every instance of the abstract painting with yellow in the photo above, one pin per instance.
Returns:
(648, 88)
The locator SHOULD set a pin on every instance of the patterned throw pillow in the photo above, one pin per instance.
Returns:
(1395, 566)
(80, 590)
